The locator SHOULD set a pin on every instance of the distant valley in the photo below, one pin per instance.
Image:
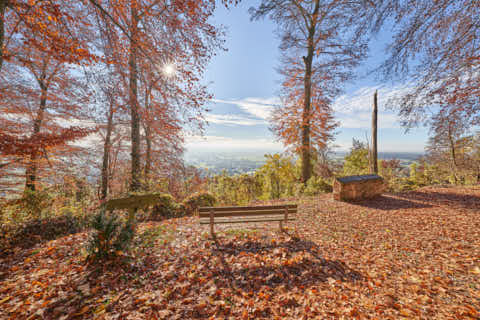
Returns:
(236, 162)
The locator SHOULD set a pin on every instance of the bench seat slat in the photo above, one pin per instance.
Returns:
(258, 219)
(219, 209)
(248, 213)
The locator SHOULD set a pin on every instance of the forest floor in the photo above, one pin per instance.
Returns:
(411, 255)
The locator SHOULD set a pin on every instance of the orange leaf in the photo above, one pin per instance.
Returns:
(82, 311)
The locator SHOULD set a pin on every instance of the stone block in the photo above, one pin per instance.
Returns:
(355, 188)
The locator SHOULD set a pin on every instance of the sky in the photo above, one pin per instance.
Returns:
(245, 86)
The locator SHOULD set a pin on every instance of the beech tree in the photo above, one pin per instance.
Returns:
(319, 49)
(162, 129)
(449, 142)
(286, 118)
(436, 48)
(56, 27)
(109, 100)
(40, 100)
(56, 30)
(156, 34)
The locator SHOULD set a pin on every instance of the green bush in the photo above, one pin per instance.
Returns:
(356, 162)
(166, 207)
(197, 200)
(110, 237)
(32, 204)
(299, 189)
(317, 185)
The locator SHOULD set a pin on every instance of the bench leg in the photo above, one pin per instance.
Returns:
(281, 225)
(212, 234)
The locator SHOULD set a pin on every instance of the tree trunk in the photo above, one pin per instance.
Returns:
(31, 171)
(374, 168)
(134, 112)
(306, 161)
(454, 157)
(307, 82)
(106, 153)
(3, 7)
(148, 140)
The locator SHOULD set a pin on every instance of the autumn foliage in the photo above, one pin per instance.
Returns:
(96, 98)
(320, 45)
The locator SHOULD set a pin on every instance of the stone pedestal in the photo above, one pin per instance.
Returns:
(355, 188)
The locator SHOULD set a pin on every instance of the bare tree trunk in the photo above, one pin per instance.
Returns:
(134, 112)
(374, 167)
(106, 152)
(31, 171)
(3, 7)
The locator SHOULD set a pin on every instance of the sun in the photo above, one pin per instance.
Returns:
(169, 69)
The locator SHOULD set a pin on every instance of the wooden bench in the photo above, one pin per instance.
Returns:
(216, 215)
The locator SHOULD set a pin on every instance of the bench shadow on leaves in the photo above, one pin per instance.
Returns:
(298, 263)
(387, 203)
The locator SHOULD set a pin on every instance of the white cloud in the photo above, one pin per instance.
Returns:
(355, 110)
(363, 120)
(362, 99)
(351, 110)
(233, 120)
(229, 143)
(261, 108)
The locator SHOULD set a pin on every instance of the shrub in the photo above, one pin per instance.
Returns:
(356, 162)
(110, 237)
(38, 230)
(31, 205)
(197, 200)
(317, 185)
(166, 207)
(299, 189)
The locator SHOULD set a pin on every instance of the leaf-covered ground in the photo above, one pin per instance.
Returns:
(412, 255)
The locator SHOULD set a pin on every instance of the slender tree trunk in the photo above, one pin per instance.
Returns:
(31, 171)
(374, 168)
(148, 140)
(134, 112)
(454, 157)
(148, 155)
(106, 153)
(478, 174)
(3, 7)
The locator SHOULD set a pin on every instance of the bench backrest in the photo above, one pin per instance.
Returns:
(204, 212)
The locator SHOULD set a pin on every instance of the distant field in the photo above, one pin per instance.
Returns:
(247, 162)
